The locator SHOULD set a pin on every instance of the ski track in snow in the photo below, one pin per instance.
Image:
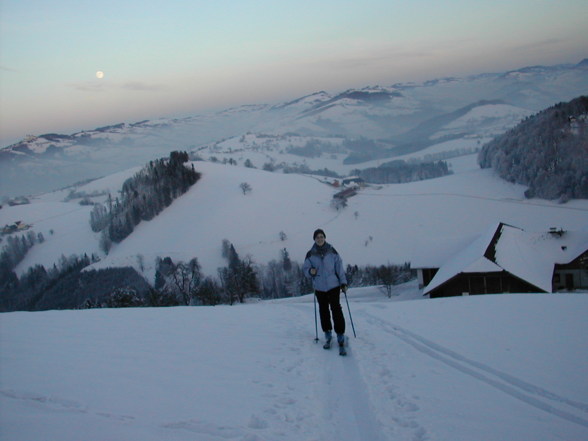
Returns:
(343, 396)
(58, 404)
(347, 403)
(515, 387)
(314, 394)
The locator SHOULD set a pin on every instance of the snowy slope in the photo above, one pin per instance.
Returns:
(484, 121)
(484, 368)
(466, 129)
(382, 224)
(50, 161)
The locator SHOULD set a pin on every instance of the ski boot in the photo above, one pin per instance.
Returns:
(341, 341)
(328, 338)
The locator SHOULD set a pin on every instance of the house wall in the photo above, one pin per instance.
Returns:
(482, 283)
(570, 279)
(425, 275)
(571, 276)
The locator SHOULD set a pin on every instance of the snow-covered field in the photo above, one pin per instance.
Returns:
(393, 223)
(483, 368)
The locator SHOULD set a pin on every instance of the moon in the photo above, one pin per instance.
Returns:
(99, 74)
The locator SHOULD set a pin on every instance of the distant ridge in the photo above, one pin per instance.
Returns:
(405, 116)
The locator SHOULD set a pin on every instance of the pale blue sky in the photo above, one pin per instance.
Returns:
(177, 57)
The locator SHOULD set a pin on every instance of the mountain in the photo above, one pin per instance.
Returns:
(400, 118)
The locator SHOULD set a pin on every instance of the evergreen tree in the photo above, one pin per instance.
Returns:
(239, 278)
(548, 152)
(286, 262)
(144, 195)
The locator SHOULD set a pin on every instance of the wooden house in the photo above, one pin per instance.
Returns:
(508, 259)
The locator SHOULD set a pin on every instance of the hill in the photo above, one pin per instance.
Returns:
(381, 224)
(482, 368)
(397, 119)
(548, 152)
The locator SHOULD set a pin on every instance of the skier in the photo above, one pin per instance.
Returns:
(325, 267)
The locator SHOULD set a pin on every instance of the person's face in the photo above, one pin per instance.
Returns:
(320, 239)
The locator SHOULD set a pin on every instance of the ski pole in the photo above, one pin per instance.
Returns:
(316, 339)
(350, 318)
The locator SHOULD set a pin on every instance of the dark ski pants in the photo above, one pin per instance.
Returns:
(330, 300)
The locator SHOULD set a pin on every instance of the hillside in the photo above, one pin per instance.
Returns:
(483, 368)
(383, 224)
(548, 152)
(264, 191)
(399, 119)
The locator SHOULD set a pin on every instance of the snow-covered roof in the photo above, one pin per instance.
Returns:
(516, 253)
(470, 259)
(530, 256)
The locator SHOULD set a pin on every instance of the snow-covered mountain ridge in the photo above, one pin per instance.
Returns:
(400, 116)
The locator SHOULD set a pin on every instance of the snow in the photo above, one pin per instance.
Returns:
(64, 226)
(422, 222)
(489, 120)
(480, 368)
(470, 259)
(531, 256)
(396, 217)
(518, 255)
(484, 368)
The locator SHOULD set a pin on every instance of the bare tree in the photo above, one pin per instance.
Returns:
(245, 187)
(387, 275)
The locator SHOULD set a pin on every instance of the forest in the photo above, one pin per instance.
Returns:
(68, 286)
(143, 197)
(399, 171)
(548, 152)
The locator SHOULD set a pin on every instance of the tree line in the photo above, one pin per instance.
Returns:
(182, 283)
(68, 286)
(548, 152)
(13, 252)
(143, 197)
(399, 171)
(41, 288)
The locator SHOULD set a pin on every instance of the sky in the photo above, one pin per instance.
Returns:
(164, 58)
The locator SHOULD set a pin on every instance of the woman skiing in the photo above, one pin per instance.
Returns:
(325, 267)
